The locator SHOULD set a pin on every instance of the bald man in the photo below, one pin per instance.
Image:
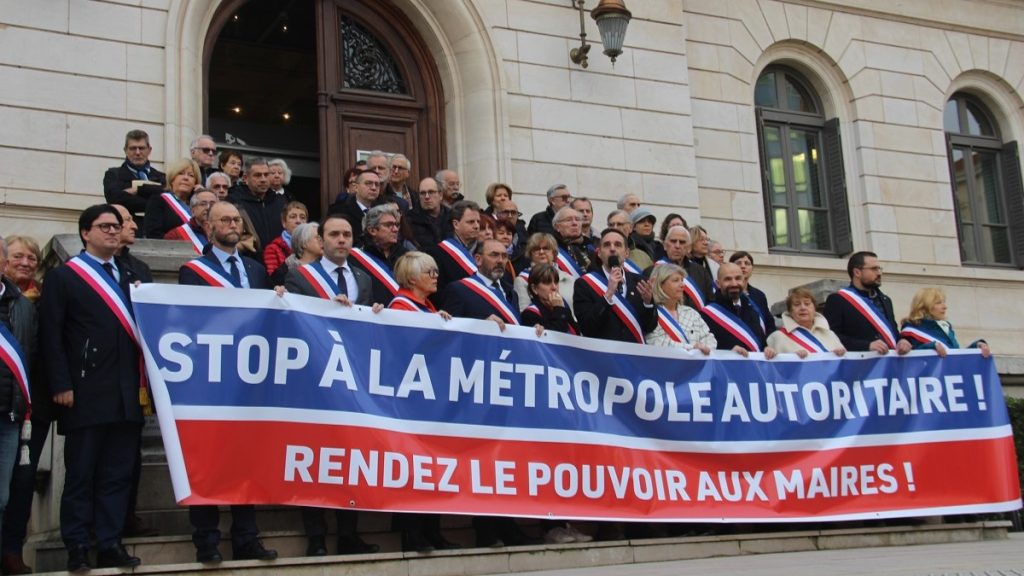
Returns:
(733, 321)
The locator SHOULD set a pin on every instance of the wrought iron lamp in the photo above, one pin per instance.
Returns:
(612, 17)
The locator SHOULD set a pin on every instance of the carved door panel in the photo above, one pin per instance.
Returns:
(379, 89)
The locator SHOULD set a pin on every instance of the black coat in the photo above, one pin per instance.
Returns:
(462, 302)
(558, 319)
(448, 271)
(761, 300)
(88, 351)
(726, 340)
(254, 270)
(381, 293)
(597, 319)
(854, 331)
(265, 213)
(160, 218)
(19, 316)
(541, 222)
(427, 231)
(119, 178)
(352, 212)
(296, 283)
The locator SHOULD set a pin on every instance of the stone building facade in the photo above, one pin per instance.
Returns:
(680, 118)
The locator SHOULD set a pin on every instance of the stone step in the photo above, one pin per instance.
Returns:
(173, 555)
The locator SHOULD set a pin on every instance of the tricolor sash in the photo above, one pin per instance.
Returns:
(525, 275)
(378, 269)
(498, 303)
(870, 312)
(180, 209)
(757, 310)
(690, 288)
(187, 233)
(458, 252)
(732, 324)
(622, 308)
(107, 289)
(920, 336)
(630, 266)
(671, 326)
(805, 339)
(406, 303)
(325, 286)
(567, 264)
(212, 273)
(13, 357)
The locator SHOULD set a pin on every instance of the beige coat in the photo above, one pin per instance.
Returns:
(784, 344)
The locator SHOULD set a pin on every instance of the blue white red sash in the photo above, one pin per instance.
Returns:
(870, 312)
(805, 338)
(690, 288)
(671, 326)
(107, 289)
(733, 324)
(498, 303)
(14, 358)
(567, 264)
(212, 273)
(623, 309)
(458, 252)
(180, 209)
(378, 269)
(325, 286)
(533, 308)
(920, 335)
(406, 303)
(525, 275)
(630, 266)
(757, 310)
(198, 242)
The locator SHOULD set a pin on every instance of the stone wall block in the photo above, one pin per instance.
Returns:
(671, 192)
(33, 129)
(544, 81)
(998, 52)
(145, 102)
(578, 149)
(661, 66)
(841, 32)
(541, 49)
(146, 64)
(718, 144)
(775, 15)
(663, 97)
(105, 137)
(722, 174)
(917, 249)
(743, 42)
(45, 50)
(716, 115)
(796, 19)
(521, 143)
(960, 46)
(50, 90)
(520, 110)
(576, 117)
(22, 169)
(602, 89)
(707, 29)
(979, 51)
(105, 20)
(900, 111)
(657, 127)
(650, 157)
(818, 21)
(881, 218)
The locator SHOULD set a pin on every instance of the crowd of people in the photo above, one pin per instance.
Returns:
(385, 241)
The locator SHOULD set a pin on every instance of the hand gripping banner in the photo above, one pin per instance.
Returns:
(293, 400)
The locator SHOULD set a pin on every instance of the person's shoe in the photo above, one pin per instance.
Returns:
(558, 535)
(316, 546)
(355, 545)
(439, 542)
(413, 541)
(135, 527)
(14, 564)
(209, 555)
(116, 556)
(577, 535)
(253, 550)
(78, 559)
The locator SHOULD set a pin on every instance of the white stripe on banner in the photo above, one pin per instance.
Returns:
(339, 418)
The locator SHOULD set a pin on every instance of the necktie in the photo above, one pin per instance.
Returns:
(342, 283)
(236, 277)
(109, 268)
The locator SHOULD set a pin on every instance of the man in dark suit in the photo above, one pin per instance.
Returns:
(353, 208)
(430, 220)
(380, 251)
(677, 249)
(735, 323)
(611, 303)
(860, 314)
(333, 278)
(485, 295)
(133, 182)
(454, 255)
(220, 267)
(93, 369)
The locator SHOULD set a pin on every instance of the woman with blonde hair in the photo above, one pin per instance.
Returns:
(23, 259)
(804, 330)
(679, 326)
(926, 326)
(167, 211)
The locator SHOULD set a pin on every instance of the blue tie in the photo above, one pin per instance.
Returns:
(236, 278)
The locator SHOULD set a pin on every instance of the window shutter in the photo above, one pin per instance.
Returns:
(838, 206)
(769, 220)
(1014, 188)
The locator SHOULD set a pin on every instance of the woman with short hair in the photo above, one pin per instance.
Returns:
(679, 326)
(168, 210)
(804, 330)
(541, 248)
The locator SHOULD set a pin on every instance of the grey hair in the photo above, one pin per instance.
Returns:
(218, 175)
(302, 234)
(195, 143)
(439, 176)
(556, 188)
(284, 166)
(677, 227)
(561, 214)
(254, 161)
(376, 153)
(621, 203)
(194, 200)
(412, 265)
(391, 161)
(373, 215)
(615, 213)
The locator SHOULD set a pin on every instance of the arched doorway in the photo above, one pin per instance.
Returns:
(319, 84)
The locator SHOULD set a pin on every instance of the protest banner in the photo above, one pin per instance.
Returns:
(293, 400)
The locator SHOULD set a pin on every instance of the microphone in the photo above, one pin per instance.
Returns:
(613, 261)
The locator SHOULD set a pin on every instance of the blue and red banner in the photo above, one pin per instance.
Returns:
(294, 400)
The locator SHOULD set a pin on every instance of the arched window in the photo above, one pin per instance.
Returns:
(801, 166)
(986, 185)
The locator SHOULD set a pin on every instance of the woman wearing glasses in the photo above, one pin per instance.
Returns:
(167, 211)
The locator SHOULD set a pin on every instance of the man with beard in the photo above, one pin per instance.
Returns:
(485, 295)
(381, 250)
(697, 284)
(224, 267)
(610, 302)
(860, 314)
(733, 321)
(261, 205)
(194, 231)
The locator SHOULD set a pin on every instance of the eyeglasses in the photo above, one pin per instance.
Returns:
(137, 148)
(511, 213)
(399, 168)
(429, 192)
(219, 187)
(498, 255)
(718, 252)
(543, 249)
(432, 272)
(562, 197)
(387, 225)
(206, 203)
(350, 182)
(109, 227)
(372, 183)
(872, 268)
(229, 220)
